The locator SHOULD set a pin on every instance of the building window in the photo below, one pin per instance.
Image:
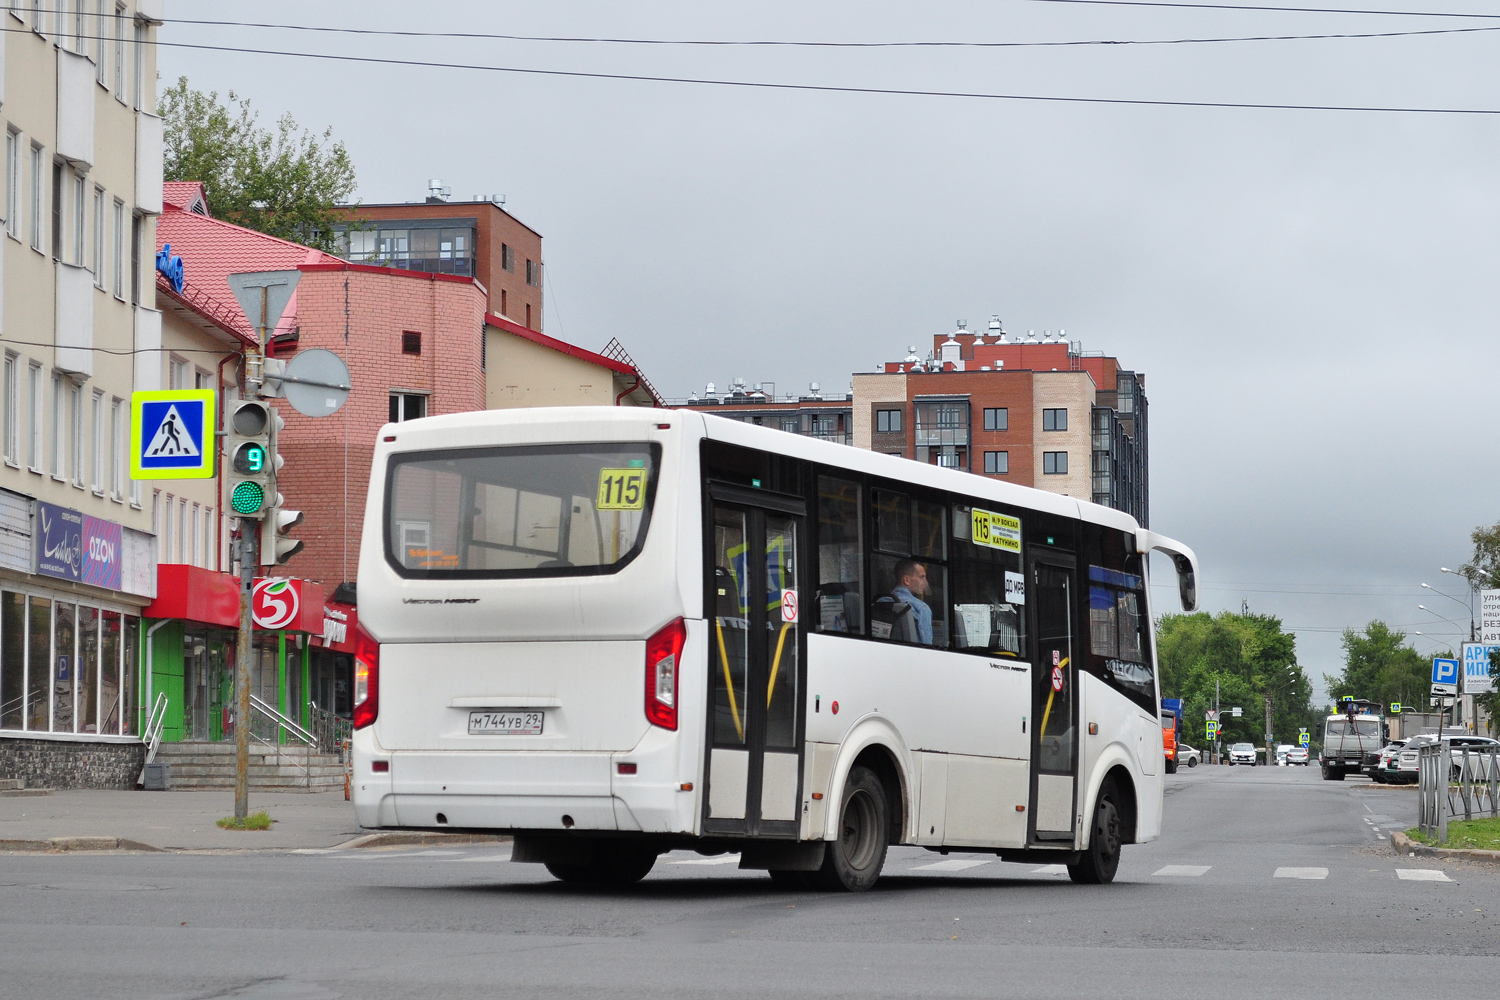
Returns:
(504, 304)
(996, 463)
(168, 553)
(101, 35)
(888, 421)
(57, 211)
(59, 416)
(177, 373)
(135, 257)
(140, 65)
(78, 218)
(119, 249)
(97, 470)
(1055, 420)
(13, 183)
(197, 535)
(210, 550)
(183, 541)
(533, 274)
(407, 406)
(507, 257)
(35, 450)
(433, 250)
(38, 182)
(12, 405)
(120, 52)
(161, 554)
(75, 427)
(99, 238)
(997, 419)
(1055, 463)
(203, 379)
(528, 315)
(411, 342)
(116, 453)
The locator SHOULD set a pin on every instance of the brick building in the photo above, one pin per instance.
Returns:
(477, 239)
(1040, 412)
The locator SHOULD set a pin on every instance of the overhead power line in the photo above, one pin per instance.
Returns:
(827, 88)
(791, 43)
(1263, 7)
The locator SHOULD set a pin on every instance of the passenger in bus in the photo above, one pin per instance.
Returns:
(911, 587)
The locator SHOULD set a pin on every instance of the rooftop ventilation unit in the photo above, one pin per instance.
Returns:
(437, 191)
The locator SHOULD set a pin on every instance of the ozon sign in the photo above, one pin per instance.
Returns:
(275, 602)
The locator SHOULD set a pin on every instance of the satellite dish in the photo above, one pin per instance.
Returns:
(316, 382)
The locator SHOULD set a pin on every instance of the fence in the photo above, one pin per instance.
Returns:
(1456, 783)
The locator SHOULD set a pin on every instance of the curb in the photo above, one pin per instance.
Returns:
(1405, 845)
(417, 838)
(55, 844)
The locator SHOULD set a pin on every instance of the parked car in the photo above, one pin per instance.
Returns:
(1297, 755)
(1187, 756)
(1282, 749)
(1406, 759)
(1242, 753)
(1385, 762)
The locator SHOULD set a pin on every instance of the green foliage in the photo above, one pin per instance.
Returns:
(1483, 571)
(1250, 657)
(285, 182)
(1481, 834)
(1378, 665)
(255, 821)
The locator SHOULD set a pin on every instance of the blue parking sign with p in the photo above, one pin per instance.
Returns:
(172, 434)
(1444, 670)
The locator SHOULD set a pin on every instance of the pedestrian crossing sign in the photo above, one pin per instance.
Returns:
(172, 434)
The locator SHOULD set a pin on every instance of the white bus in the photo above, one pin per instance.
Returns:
(619, 632)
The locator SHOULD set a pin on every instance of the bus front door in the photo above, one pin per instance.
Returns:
(1054, 745)
(754, 767)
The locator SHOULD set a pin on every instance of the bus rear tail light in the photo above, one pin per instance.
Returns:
(366, 678)
(663, 655)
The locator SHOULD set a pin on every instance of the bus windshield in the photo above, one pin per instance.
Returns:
(550, 510)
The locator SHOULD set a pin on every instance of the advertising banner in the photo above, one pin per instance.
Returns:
(1476, 664)
(59, 542)
(1489, 616)
(101, 553)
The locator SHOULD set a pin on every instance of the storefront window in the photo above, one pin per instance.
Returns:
(131, 643)
(88, 670)
(39, 663)
(67, 668)
(64, 662)
(109, 675)
(12, 659)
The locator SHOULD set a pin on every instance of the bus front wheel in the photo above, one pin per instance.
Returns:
(1102, 859)
(853, 859)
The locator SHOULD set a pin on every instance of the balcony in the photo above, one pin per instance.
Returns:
(75, 108)
(148, 163)
(74, 335)
(147, 349)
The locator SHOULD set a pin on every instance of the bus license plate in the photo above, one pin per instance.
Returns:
(505, 723)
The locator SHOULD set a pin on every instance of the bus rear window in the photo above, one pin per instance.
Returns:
(550, 510)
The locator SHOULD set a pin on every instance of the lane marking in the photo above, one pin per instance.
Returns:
(1050, 870)
(1309, 873)
(953, 865)
(1185, 871)
(1422, 875)
(726, 859)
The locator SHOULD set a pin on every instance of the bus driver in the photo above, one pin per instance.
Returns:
(911, 587)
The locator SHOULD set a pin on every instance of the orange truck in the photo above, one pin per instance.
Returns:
(1171, 725)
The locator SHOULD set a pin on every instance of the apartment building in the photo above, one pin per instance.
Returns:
(476, 239)
(1040, 412)
(78, 327)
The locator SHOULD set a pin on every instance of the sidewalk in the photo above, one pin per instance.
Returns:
(179, 820)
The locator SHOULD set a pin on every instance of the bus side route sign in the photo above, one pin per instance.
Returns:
(172, 434)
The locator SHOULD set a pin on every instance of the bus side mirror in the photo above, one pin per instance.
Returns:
(1187, 582)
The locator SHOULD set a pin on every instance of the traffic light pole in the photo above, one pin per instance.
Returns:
(249, 563)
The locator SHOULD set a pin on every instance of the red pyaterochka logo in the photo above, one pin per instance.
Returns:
(274, 602)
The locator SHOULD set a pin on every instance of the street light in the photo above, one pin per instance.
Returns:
(1434, 614)
(1469, 606)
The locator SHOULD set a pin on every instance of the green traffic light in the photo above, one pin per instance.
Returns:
(248, 497)
(249, 458)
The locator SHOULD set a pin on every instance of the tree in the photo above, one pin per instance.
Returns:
(1378, 665)
(286, 182)
(1483, 571)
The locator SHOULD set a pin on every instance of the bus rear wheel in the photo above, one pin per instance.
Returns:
(852, 860)
(610, 866)
(1102, 858)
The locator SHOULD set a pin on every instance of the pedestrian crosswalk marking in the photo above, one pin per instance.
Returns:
(1308, 873)
(1050, 870)
(723, 859)
(1422, 875)
(1186, 871)
(952, 865)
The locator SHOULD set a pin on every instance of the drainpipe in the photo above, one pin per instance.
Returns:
(219, 465)
(627, 392)
(151, 664)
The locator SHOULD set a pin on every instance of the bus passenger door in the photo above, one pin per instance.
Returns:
(1054, 747)
(755, 656)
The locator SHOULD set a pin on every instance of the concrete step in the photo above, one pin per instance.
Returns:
(258, 785)
(19, 793)
(12, 784)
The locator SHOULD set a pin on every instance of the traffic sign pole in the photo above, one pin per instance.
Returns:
(249, 561)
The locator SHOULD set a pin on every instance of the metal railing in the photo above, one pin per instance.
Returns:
(333, 732)
(281, 724)
(1455, 782)
(155, 723)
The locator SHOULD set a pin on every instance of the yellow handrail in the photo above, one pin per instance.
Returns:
(776, 663)
(739, 727)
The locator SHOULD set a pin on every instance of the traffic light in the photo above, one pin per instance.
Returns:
(275, 547)
(252, 468)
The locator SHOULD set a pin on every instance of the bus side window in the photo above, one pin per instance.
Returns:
(909, 578)
(989, 613)
(839, 599)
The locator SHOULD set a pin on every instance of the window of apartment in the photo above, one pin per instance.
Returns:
(792, 425)
(997, 418)
(202, 379)
(156, 524)
(96, 479)
(39, 16)
(135, 484)
(79, 45)
(12, 404)
(38, 182)
(1055, 420)
(79, 218)
(57, 211)
(210, 550)
(177, 373)
(101, 26)
(119, 249)
(407, 406)
(996, 463)
(35, 449)
(166, 550)
(507, 257)
(59, 420)
(99, 238)
(183, 540)
(411, 342)
(528, 315)
(1055, 463)
(197, 535)
(75, 428)
(13, 182)
(120, 52)
(504, 303)
(116, 453)
(888, 421)
(533, 274)
(135, 257)
(140, 64)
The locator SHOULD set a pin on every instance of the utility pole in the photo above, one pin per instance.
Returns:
(249, 562)
(1217, 730)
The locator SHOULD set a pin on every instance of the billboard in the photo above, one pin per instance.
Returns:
(1489, 616)
(1476, 667)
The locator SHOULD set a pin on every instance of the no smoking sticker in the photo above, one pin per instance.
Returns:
(1057, 678)
(789, 606)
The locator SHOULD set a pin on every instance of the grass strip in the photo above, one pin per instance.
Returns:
(1472, 834)
(255, 821)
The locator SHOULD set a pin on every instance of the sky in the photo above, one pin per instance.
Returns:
(1312, 295)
